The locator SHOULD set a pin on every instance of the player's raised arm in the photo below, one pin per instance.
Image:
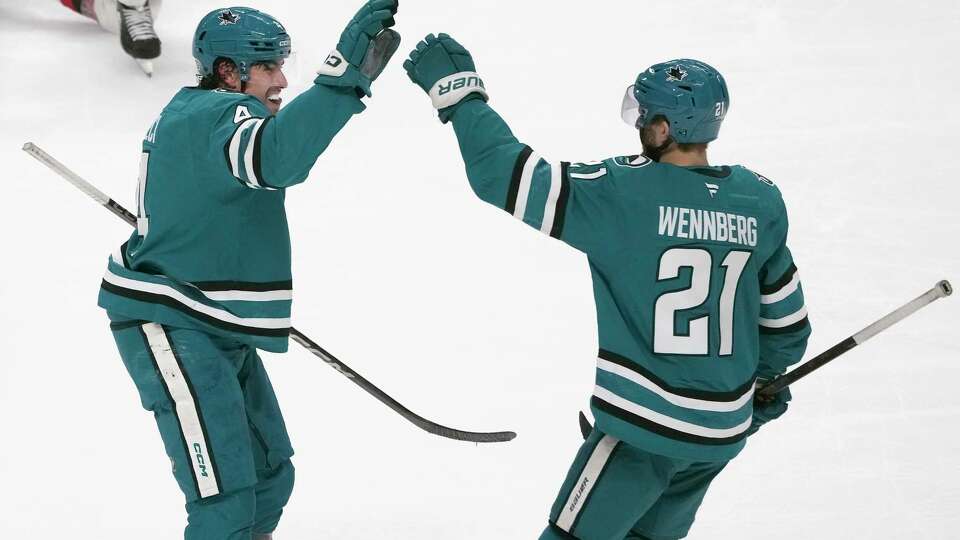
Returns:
(265, 148)
(503, 171)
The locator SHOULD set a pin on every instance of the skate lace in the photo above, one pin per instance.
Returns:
(139, 22)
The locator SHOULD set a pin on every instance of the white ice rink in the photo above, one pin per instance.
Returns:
(472, 319)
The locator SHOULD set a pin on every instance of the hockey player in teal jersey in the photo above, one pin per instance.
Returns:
(205, 279)
(696, 292)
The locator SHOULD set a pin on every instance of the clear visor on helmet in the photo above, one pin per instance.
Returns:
(298, 77)
(630, 109)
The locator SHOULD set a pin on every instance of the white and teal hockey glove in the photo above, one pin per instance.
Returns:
(364, 49)
(445, 71)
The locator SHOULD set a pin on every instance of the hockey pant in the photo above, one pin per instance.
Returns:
(615, 491)
(220, 424)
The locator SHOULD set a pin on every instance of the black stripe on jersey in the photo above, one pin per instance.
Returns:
(511, 203)
(123, 255)
(561, 211)
(254, 286)
(662, 430)
(799, 325)
(173, 304)
(226, 152)
(731, 395)
(780, 283)
(256, 153)
(226, 157)
(196, 405)
(173, 406)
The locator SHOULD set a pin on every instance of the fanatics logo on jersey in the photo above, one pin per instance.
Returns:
(712, 188)
(228, 17)
(676, 74)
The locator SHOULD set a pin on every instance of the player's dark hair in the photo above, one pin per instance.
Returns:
(213, 81)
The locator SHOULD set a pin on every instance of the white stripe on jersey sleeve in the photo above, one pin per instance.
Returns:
(550, 210)
(248, 154)
(234, 148)
(794, 317)
(784, 291)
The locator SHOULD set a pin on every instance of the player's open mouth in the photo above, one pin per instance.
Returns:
(274, 98)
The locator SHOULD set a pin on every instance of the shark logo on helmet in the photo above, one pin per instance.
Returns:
(676, 73)
(228, 17)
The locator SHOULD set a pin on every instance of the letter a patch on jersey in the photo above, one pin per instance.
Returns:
(241, 114)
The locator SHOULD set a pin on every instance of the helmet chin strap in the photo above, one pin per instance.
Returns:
(656, 153)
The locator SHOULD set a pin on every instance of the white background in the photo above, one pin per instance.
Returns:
(467, 316)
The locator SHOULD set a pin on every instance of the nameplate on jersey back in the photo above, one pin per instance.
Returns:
(680, 222)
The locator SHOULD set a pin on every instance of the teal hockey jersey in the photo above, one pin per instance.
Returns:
(696, 291)
(211, 250)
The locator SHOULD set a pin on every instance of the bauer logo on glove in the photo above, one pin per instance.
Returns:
(460, 84)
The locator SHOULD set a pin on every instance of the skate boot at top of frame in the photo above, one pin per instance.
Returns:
(137, 35)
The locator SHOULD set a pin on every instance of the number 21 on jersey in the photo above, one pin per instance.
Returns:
(696, 341)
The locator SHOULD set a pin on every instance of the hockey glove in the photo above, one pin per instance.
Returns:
(766, 408)
(445, 71)
(364, 49)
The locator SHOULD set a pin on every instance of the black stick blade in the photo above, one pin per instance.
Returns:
(460, 435)
(585, 427)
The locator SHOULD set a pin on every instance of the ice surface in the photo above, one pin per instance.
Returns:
(473, 320)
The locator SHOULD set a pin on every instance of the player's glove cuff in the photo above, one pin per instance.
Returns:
(454, 89)
(451, 89)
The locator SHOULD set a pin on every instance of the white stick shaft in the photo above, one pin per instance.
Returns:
(66, 173)
(941, 290)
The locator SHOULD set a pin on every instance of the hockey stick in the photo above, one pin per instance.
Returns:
(296, 335)
(941, 290)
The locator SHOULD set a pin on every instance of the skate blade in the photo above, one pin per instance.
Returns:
(146, 66)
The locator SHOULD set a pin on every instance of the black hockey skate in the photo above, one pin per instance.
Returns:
(137, 35)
